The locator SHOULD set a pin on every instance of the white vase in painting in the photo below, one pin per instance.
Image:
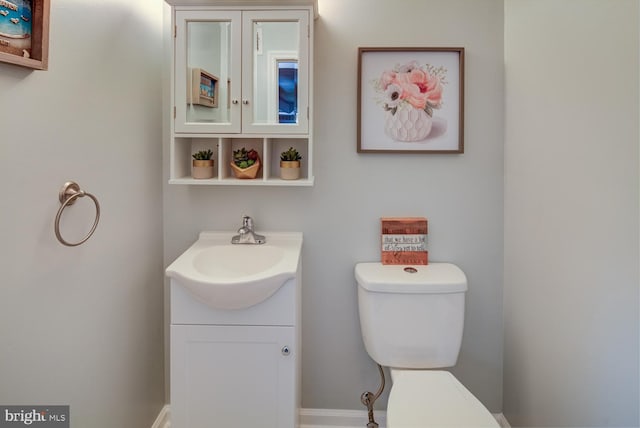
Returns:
(408, 124)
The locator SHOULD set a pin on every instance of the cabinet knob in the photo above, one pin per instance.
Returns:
(234, 102)
(285, 351)
(245, 102)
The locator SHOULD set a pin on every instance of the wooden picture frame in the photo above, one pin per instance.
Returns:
(204, 88)
(24, 33)
(410, 100)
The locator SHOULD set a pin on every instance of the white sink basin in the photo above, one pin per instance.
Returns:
(236, 276)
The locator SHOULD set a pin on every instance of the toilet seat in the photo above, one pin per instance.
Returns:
(433, 398)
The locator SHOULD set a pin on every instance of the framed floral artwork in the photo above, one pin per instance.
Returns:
(410, 100)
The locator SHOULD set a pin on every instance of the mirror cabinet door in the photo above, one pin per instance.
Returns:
(205, 66)
(276, 89)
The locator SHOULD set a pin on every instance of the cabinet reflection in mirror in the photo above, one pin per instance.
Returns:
(275, 77)
(208, 65)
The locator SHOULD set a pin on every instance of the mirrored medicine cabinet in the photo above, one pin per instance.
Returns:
(241, 78)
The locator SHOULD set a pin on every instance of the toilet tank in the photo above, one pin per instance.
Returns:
(411, 317)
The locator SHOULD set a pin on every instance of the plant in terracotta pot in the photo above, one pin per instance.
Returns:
(290, 164)
(245, 163)
(202, 164)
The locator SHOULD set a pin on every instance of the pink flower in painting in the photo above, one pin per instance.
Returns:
(414, 87)
(419, 86)
(406, 68)
(388, 77)
(434, 92)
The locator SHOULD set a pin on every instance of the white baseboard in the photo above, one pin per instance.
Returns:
(164, 418)
(324, 418)
(337, 418)
(309, 418)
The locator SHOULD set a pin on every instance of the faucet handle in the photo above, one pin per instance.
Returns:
(247, 222)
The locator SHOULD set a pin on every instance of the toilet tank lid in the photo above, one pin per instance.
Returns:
(431, 278)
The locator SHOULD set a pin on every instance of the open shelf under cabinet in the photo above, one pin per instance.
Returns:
(268, 148)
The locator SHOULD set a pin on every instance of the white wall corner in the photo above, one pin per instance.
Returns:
(164, 418)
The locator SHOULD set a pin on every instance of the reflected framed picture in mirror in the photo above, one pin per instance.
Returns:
(204, 88)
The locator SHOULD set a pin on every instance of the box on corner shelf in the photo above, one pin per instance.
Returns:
(404, 241)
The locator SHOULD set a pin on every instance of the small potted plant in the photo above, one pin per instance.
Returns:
(202, 164)
(290, 164)
(245, 163)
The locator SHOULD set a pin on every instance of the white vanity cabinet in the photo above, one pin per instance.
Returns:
(235, 368)
(241, 77)
(232, 376)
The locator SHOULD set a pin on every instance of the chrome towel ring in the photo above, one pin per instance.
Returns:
(67, 196)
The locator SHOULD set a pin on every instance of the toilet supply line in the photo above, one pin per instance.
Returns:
(368, 399)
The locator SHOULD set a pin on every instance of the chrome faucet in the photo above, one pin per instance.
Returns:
(246, 235)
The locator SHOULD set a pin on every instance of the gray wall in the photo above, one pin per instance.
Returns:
(571, 213)
(460, 194)
(83, 326)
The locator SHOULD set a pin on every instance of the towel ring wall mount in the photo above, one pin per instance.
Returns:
(68, 195)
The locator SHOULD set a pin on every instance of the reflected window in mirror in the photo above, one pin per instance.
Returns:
(287, 91)
(275, 72)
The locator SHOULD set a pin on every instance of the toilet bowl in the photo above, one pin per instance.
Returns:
(412, 321)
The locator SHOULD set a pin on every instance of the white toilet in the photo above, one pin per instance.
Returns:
(412, 321)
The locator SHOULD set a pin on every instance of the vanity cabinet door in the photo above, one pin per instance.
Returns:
(233, 376)
(207, 71)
